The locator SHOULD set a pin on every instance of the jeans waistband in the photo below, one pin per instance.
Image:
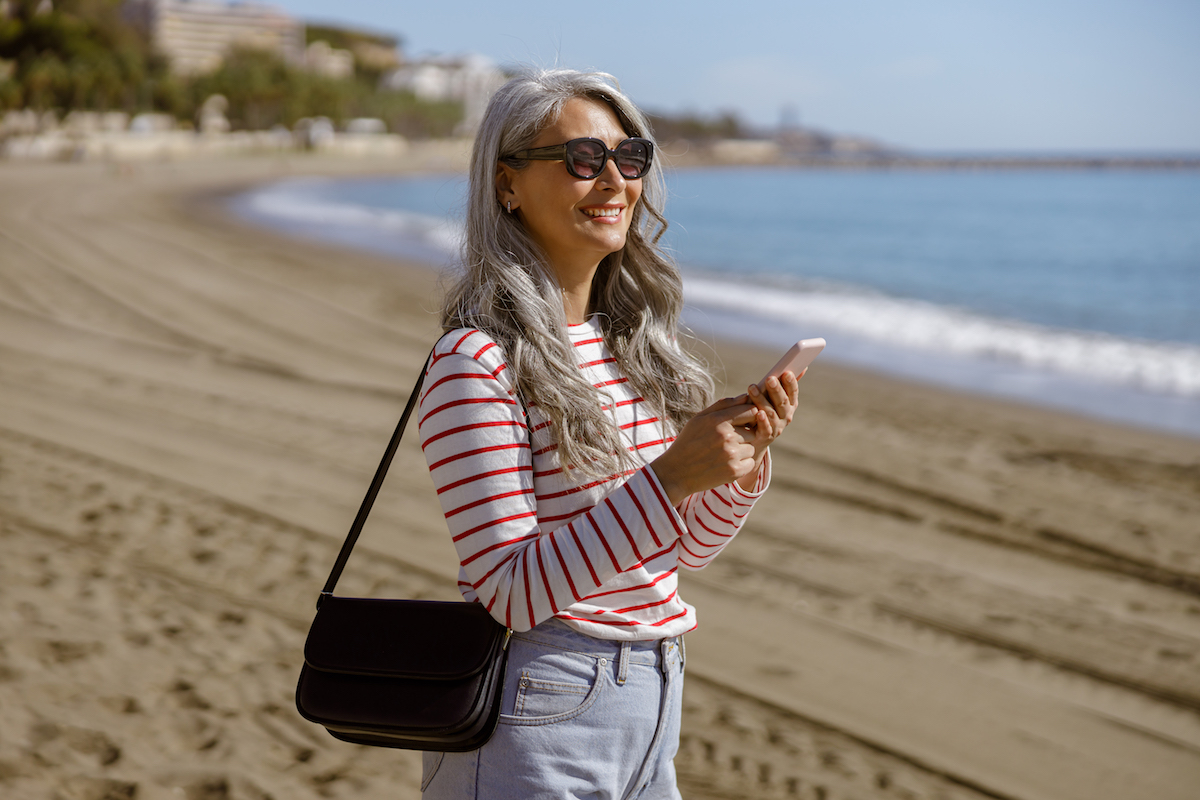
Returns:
(556, 633)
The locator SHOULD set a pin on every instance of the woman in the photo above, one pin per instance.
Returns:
(568, 438)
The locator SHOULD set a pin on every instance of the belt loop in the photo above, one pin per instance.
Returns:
(623, 664)
(682, 653)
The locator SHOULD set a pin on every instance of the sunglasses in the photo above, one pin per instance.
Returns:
(587, 158)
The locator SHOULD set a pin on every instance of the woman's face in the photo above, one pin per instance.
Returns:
(576, 222)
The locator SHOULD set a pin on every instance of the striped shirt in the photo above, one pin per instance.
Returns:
(536, 542)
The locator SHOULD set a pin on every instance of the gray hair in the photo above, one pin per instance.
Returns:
(510, 292)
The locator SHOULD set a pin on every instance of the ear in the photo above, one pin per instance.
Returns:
(505, 187)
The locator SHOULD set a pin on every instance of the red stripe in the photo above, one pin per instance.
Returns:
(582, 552)
(565, 568)
(627, 623)
(625, 530)
(666, 504)
(497, 546)
(470, 453)
(695, 539)
(704, 502)
(467, 401)
(528, 592)
(459, 376)
(485, 500)
(537, 549)
(644, 606)
(597, 363)
(683, 544)
(604, 539)
(486, 525)
(645, 518)
(496, 568)
(662, 577)
(499, 423)
(549, 519)
(482, 475)
(586, 486)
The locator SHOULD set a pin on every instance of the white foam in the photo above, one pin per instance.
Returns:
(1160, 367)
(298, 203)
(899, 324)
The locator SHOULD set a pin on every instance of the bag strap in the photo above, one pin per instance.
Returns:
(365, 509)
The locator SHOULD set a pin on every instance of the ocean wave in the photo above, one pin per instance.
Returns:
(1160, 367)
(299, 203)
(815, 309)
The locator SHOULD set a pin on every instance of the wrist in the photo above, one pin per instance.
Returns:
(749, 481)
(675, 491)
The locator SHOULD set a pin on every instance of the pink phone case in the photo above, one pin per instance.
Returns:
(796, 359)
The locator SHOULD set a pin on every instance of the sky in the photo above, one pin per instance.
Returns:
(932, 75)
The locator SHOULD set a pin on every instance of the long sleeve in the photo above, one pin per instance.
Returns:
(532, 543)
(714, 517)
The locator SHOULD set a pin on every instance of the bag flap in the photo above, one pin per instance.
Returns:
(402, 638)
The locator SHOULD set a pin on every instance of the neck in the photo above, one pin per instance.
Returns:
(576, 292)
(575, 306)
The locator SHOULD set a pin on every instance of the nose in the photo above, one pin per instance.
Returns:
(611, 176)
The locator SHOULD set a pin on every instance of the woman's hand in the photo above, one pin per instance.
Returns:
(774, 410)
(728, 440)
(715, 447)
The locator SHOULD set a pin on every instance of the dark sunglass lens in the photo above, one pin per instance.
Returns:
(587, 157)
(633, 158)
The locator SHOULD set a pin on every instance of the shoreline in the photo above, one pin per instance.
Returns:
(412, 236)
(955, 595)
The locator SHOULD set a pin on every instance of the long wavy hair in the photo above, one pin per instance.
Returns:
(508, 290)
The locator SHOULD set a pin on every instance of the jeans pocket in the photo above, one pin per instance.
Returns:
(552, 688)
(430, 762)
(541, 698)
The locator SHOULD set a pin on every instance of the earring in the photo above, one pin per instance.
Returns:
(510, 206)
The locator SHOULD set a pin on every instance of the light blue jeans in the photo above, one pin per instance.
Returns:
(581, 718)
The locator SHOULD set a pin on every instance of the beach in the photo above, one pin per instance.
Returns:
(941, 596)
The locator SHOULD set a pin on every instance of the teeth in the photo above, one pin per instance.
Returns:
(602, 212)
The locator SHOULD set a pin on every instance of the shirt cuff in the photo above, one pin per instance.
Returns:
(652, 476)
(760, 486)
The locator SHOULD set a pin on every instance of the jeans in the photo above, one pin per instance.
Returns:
(581, 718)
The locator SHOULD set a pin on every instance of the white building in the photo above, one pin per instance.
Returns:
(331, 62)
(469, 79)
(196, 35)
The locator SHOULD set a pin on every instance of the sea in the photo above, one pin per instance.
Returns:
(1073, 289)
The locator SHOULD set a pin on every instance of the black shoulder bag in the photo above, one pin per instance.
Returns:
(413, 674)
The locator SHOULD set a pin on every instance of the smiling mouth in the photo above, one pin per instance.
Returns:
(602, 212)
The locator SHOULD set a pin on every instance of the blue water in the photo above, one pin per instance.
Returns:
(1076, 289)
(1111, 252)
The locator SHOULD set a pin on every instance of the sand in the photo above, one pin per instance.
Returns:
(941, 596)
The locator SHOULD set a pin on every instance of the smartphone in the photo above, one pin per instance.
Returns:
(796, 359)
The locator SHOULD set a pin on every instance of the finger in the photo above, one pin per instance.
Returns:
(777, 395)
(793, 387)
(756, 396)
(735, 414)
(747, 416)
(726, 402)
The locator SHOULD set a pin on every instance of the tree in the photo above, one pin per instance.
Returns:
(80, 55)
